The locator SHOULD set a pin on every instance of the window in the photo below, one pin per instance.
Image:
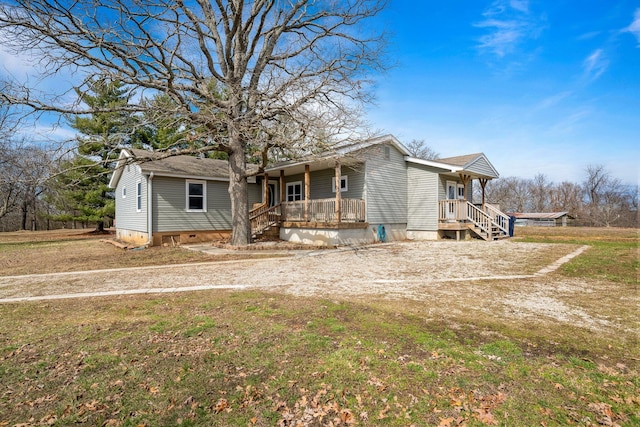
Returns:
(139, 196)
(461, 191)
(124, 192)
(387, 152)
(294, 191)
(344, 184)
(196, 196)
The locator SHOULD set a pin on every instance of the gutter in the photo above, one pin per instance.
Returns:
(150, 209)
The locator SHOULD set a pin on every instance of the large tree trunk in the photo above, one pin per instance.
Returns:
(239, 193)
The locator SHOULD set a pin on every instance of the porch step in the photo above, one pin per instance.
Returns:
(496, 234)
(269, 234)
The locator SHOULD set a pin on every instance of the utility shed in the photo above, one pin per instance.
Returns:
(542, 219)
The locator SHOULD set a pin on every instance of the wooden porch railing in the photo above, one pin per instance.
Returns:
(324, 210)
(499, 219)
(263, 216)
(489, 220)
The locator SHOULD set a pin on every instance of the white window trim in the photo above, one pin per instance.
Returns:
(459, 195)
(124, 192)
(139, 196)
(344, 179)
(291, 185)
(204, 195)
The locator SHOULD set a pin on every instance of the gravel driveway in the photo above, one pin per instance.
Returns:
(507, 277)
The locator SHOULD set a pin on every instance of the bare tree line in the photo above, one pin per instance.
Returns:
(600, 200)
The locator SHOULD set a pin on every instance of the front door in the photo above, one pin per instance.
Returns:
(273, 197)
(452, 205)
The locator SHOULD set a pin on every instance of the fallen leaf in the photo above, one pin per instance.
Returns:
(383, 413)
(347, 417)
(221, 405)
(445, 422)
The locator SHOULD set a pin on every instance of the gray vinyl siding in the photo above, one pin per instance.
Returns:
(481, 167)
(386, 186)
(422, 197)
(127, 216)
(320, 183)
(169, 206)
(255, 194)
(442, 187)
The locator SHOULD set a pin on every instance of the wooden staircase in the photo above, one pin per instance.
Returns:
(488, 224)
(265, 222)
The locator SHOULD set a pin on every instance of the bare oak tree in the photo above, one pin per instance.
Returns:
(244, 76)
(417, 148)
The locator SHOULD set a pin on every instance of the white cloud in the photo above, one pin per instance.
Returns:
(12, 63)
(553, 100)
(595, 64)
(509, 23)
(634, 28)
(521, 5)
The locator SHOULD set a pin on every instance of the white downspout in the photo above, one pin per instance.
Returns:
(150, 209)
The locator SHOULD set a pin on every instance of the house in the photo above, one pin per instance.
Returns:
(179, 199)
(383, 194)
(542, 219)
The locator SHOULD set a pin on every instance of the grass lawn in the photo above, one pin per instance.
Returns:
(78, 250)
(255, 358)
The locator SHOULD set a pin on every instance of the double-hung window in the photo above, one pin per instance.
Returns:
(196, 196)
(294, 191)
(139, 197)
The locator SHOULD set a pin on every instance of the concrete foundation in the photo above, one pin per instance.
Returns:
(138, 238)
(422, 235)
(328, 234)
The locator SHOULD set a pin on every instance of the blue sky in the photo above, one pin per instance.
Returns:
(546, 86)
(540, 86)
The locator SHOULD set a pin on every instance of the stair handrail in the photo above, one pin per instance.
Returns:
(479, 218)
(263, 216)
(498, 218)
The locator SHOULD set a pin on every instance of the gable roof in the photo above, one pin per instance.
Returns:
(460, 160)
(340, 151)
(477, 164)
(181, 166)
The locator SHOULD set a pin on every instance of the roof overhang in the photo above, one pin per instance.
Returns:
(328, 160)
(434, 164)
(117, 172)
(466, 168)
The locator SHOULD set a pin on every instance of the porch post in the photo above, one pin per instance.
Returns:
(282, 188)
(483, 183)
(338, 192)
(465, 180)
(307, 191)
(265, 188)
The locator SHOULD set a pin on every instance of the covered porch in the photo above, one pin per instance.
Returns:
(457, 212)
(288, 200)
